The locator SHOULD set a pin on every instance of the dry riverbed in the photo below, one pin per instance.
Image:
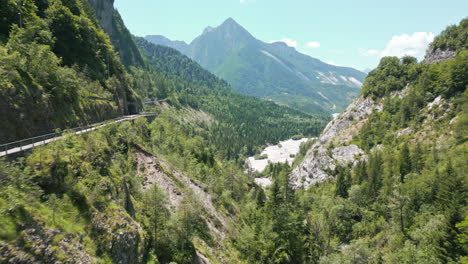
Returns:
(284, 152)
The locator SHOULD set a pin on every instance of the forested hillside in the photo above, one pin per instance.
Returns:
(243, 123)
(159, 190)
(59, 69)
(86, 82)
(386, 182)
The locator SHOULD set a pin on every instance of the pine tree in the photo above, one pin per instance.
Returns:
(374, 172)
(342, 182)
(451, 197)
(260, 198)
(405, 162)
(450, 189)
(417, 159)
(360, 172)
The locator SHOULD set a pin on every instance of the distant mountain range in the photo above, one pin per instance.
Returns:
(271, 71)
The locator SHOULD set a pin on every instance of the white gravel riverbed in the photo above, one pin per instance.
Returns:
(280, 153)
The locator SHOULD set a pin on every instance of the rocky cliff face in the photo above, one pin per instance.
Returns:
(104, 13)
(322, 158)
(438, 55)
(38, 249)
(334, 144)
(114, 26)
(122, 238)
(177, 186)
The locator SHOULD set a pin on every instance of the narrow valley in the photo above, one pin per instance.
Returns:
(116, 148)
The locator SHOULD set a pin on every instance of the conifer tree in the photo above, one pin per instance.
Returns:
(342, 182)
(374, 172)
(417, 159)
(405, 162)
(260, 198)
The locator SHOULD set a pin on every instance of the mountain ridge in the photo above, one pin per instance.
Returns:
(271, 71)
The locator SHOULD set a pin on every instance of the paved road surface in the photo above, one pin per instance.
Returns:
(47, 141)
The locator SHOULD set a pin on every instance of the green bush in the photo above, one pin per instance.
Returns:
(261, 157)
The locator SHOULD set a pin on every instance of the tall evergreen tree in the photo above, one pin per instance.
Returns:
(417, 159)
(360, 172)
(374, 171)
(260, 197)
(405, 162)
(342, 182)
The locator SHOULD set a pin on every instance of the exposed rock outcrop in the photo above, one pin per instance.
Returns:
(176, 185)
(404, 132)
(35, 246)
(104, 13)
(346, 154)
(438, 55)
(436, 109)
(113, 25)
(14, 255)
(321, 159)
(200, 259)
(358, 110)
(263, 182)
(120, 235)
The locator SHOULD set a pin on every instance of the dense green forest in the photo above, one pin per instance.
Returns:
(406, 203)
(242, 123)
(453, 38)
(58, 69)
(173, 189)
(87, 189)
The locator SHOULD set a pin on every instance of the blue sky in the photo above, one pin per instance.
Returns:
(355, 33)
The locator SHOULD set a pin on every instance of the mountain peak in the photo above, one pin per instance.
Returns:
(229, 30)
(230, 21)
(273, 70)
(229, 27)
(231, 24)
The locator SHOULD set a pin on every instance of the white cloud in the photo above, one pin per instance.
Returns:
(290, 42)
(313, 44)
(400, 45)
(414, 45)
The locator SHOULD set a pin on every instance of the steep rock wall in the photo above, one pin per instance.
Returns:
(121, 38)
(321, 159)
(438, 55)
(104, 13)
